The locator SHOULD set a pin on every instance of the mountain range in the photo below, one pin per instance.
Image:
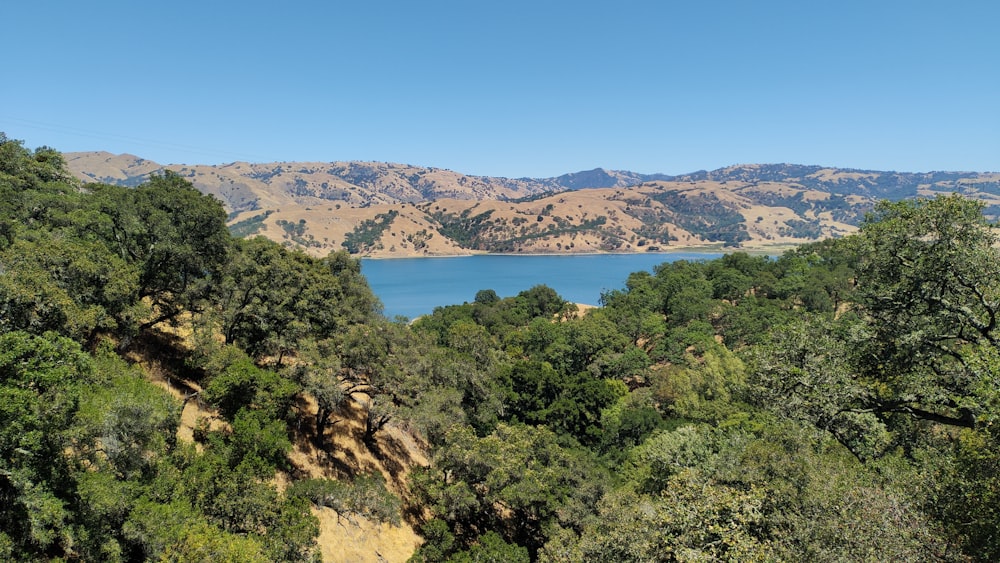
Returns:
(395, 210)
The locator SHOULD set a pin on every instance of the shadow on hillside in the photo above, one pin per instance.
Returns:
(394, 456)
(165, 356)
(321, 452)
(342, 453)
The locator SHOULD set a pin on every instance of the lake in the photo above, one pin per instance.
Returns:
(411, 287)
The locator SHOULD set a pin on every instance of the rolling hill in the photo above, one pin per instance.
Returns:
(396, 210)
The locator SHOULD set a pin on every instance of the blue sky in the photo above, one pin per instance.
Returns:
(511, 88)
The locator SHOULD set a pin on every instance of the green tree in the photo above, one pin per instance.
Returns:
(808, 371)
(320, 374)
(701, 388)
(130, 422)
(55, 282)
(491, 548)
(273, 299)
(240, 499)
(929, 279)
(176, 532)
(244, 385)
(965, 491)
(486, 297)
(174, 234)
(35, 187)
(40, 382)
(691, 520)
(364, 495)
(516, 481)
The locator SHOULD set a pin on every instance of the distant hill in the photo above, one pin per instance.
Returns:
(881, 185)
(601, 178)
(386, 209)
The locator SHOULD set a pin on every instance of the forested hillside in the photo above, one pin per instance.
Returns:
(837, 403)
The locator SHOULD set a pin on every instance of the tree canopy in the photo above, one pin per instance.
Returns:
(837, 402)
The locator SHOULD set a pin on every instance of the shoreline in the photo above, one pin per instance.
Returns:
(756, 250)
(415, 287)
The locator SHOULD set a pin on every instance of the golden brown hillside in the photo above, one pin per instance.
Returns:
(650, 217)
(396, 210)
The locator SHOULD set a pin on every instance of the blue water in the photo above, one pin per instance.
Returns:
(411, 287)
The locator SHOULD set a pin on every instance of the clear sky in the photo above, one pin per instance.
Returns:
(511, 88)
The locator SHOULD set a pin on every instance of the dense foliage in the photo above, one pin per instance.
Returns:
(90, 464)
(838, 402)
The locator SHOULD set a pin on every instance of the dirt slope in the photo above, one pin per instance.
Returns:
(340, 454)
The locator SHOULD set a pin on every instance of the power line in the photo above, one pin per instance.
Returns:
(105, 136)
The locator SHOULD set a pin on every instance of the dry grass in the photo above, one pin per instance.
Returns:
(340, 453)
(363, 541)
(335, 197)
(103, 166)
